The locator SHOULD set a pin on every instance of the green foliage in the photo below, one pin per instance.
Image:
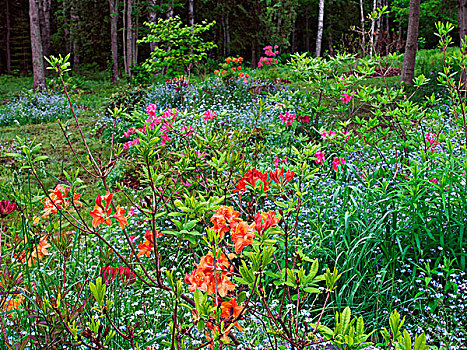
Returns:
(178, 47)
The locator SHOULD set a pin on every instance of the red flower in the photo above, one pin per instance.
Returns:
(123, 273)
(269, 219)
(6, 208)
(280, 178)
(251, 177)
(338, 163)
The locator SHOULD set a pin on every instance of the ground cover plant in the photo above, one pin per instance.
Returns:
(243, 211)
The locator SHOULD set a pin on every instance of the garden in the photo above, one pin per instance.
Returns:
(306, 203)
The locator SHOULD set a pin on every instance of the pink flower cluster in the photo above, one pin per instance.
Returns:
(304, 118)
(432, 139)
(328, 134)
(346, 98)
(287, 118)
(269, 58)
(209, 115)
(338, 163)
(319, 157)
(154, 119)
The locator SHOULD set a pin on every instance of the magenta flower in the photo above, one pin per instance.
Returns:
(304, 118)
(7, 207)
(435, 180)
(325, 134)
(287, 118)
(319, 157)
(151, 110)
(209, 115)
(338, 162)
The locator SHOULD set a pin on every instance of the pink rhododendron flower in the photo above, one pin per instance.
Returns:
(319, 157)
(435, 180)
(209, 115)
(338, 162)
(346, 98)
(132, 211)
(328, 134)
(151, 110)
(287, 118)
(304, 118)
(130, 144)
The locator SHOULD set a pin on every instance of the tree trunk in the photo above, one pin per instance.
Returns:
(129, 36)
(191, 13)
(293, 36)
(170, 10)
(8, 36)
(372, 31)
(113, 4)
(319, 38)
(152, 18)
(44, 17)
(362, 23)
(461, 14)
(75, 34)
(307, 30)
(36, 47)
(408, 69)
(227, 33)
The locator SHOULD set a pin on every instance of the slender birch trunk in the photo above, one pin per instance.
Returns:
(152, 18)
(372, 31)
(191, 13)
(319, 38)
(362, 24)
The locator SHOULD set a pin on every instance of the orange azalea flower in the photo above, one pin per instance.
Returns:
(103, 214)
(59, 199)
(225, 215)
(239, 68)
(243, 235)
(146, 247)
(224, 285)
(228, 59)
(197, 280)
(230, 310)
(206, 263)
(202, 277)
(37, 252)
(120, 216)
(11, 303)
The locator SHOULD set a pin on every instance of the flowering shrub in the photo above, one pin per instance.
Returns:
(232, 68)
(269, 58)
(238, 229)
